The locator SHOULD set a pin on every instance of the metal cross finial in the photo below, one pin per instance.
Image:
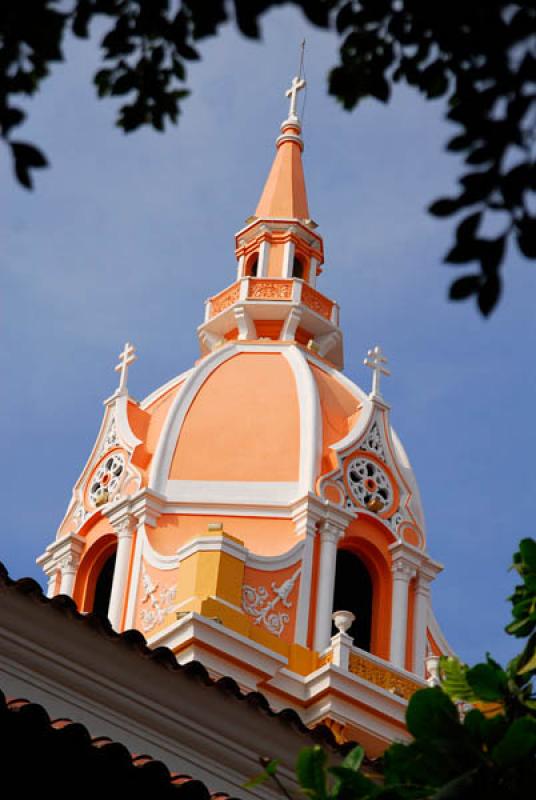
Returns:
(126, 358)
(376, 360)
(297, 85)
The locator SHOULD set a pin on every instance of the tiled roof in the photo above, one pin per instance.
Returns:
(60, 755)
(163, 657)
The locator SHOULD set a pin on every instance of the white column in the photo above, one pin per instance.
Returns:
(420, 617)
(403, 571)
(264, 257)
(51, 584)
(306, 524)
(124, 528)
(68, 566)
(288, 259)
(329, 537)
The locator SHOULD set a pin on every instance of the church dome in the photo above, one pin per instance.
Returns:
(231, 513)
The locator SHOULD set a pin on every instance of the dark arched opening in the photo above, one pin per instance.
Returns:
(103, 588)
(252, 266)
(297, 268)
(353, 592)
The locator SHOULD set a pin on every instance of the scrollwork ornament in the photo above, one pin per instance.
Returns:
(257, 603)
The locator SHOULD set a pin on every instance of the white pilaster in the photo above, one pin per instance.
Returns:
(68, 566)
(51, 584)
(264, 257)
(63, 555)
(288, 259)
(305, 523)
(330, 533)
(420, 617)
(240, 268)
(124, 527)
(403, 572)
(313, 264)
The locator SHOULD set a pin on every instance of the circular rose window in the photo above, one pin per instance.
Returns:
(105, 482)
(370, 484)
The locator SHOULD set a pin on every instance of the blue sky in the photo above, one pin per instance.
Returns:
(112, 245)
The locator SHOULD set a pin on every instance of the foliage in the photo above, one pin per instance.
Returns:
(459, 751)
(478, 55)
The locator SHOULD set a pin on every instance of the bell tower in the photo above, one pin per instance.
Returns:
(279, 257)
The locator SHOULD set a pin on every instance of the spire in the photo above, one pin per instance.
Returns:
(284, 195)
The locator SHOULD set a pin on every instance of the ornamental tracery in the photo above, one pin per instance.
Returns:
(370, 484)
(106, 481)
(373, 442)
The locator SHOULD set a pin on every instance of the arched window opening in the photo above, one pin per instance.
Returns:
(252, 266)
(353, 592)
(297, 268)
(103, 588)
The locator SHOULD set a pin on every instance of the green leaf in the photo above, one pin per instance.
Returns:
(311, 771)
(518, 743)
(431, 714)
(354, 759)
(270, 769)
(527, 548)
(488, 681)
(454, 682)
(348, 780)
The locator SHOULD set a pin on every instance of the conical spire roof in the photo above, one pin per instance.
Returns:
(284, 195)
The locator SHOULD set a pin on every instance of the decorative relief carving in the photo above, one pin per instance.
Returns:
(370, 484)
(373, 442)
(381, 676)
(224, 299)
(160, 603)
(105, 483)
(261, 289)
(110, 438)
(316, 301)
(257, 603)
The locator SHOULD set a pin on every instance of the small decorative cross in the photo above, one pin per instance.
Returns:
(297, 85)
(126, 358)
(376, 360)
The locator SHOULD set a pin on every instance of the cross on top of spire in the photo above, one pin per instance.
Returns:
(297, 85)
(126, 358)
(376, 361)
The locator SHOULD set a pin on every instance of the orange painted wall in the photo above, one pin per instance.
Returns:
(370, 540)
(158, 411)
(243, 425)
(263, 578)
(340, 410)
(262, 536)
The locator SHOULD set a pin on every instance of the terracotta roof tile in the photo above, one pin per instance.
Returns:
(32, 740)
(163, 657)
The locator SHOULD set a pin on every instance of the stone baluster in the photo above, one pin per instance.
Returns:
(342, 643)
